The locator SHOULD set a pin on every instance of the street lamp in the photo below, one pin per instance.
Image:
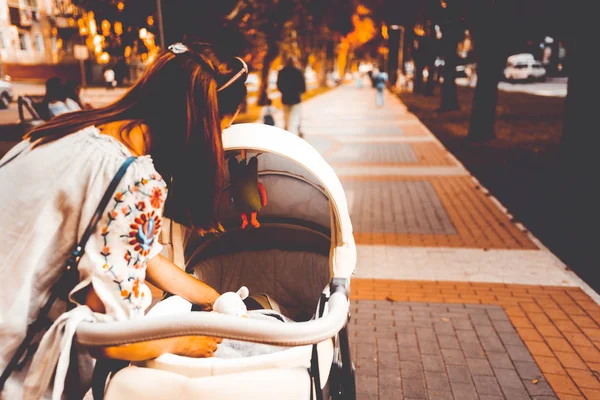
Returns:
(401, 46)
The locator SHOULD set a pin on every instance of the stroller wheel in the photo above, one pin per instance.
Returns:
(343, 372)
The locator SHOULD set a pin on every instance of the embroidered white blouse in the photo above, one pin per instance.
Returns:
(47, 198)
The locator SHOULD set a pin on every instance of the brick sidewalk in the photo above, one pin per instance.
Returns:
(453, 298)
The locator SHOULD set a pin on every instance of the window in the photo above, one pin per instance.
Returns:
(23, 42)
(38, 43)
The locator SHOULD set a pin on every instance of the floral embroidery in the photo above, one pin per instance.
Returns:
(137, 207)
(143, 232)
(156, 198)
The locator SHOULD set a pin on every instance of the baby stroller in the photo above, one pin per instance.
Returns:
(302, 255)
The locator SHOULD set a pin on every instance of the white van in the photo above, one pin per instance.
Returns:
(524, 67)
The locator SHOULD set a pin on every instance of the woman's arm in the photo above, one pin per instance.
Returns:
(189, 346)
(167, 276)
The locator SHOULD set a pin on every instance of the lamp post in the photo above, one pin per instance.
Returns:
(400, 46)
(159, 20)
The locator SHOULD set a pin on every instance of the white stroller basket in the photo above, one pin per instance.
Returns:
(302, 255)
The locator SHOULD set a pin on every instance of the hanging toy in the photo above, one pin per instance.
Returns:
(247, 194)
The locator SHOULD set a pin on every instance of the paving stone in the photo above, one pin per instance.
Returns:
(389, 392)
(473, 350)
(464, 391)
(489, 397)
(487, 385)
(430, 347)
(503, 326)
(516, 394)
(426, 334)
(444, 328)
(452, 356)
(499, 360)
(413, 207)
(519, 353)
(508, 379)
(411, 370)
(541, 388)
(528, 370)
(462, 324)
(479, 366)
(414, 388)
(510, 338)
(497, 314)
(437, 395)
(409, 354)
(432, 363)
(458, 373)
(492, 344)
(389, 378)
(448, 342)
(406, 340)
(467, 336)
(366, 384)
(437, 381)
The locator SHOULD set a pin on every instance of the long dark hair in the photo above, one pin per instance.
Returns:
(177, 99)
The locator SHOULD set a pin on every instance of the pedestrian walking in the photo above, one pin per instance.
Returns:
(82, 206)
(109, 78)
(291, 84)
(54, 99)
(380, 78)
(268, 113)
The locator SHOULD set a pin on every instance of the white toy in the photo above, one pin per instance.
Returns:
(232, 303)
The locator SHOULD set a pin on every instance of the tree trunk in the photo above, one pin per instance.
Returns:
(578, 206)
(272, 52)
(491, 17)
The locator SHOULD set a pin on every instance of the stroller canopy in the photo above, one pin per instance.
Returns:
(300, 184)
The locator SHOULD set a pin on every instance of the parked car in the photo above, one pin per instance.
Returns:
(524, 67)
(6, 93)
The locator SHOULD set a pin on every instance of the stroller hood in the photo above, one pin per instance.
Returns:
(296, 157)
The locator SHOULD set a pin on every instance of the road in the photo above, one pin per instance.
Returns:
(554, 87)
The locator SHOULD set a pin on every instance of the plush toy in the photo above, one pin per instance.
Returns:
(232, 303)
(247, 194)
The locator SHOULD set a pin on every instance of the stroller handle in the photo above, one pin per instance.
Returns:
(218, 325)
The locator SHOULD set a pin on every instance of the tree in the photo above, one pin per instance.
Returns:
(493, 35)
(577, 210)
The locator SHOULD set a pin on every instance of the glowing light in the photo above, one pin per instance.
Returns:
(384, 32)
(118, 28)
(105, 27)
(150, 20)
(104, 58)
(97, 40)
(143, 33)
(144, 57)
(93, 28)
(120, 6)
(127, 52)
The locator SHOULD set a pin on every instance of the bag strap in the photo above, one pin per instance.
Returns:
(67, 281)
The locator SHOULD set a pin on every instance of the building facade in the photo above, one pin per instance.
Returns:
(37, 37)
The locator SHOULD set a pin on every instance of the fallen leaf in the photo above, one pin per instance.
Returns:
(535, 381)
(389, 298)
(446, 319)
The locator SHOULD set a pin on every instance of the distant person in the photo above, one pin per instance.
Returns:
(109, 78)
(74, 100)
(268, 112)
(54, 99)
(291, 84)
(380, 78)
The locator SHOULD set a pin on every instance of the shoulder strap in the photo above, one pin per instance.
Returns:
(67, 281)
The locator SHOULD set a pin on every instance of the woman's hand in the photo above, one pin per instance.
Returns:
(197, 346)
(167, 276)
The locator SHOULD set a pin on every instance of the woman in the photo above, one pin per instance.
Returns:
(55, 98)
(73, 97)
(51, 184)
